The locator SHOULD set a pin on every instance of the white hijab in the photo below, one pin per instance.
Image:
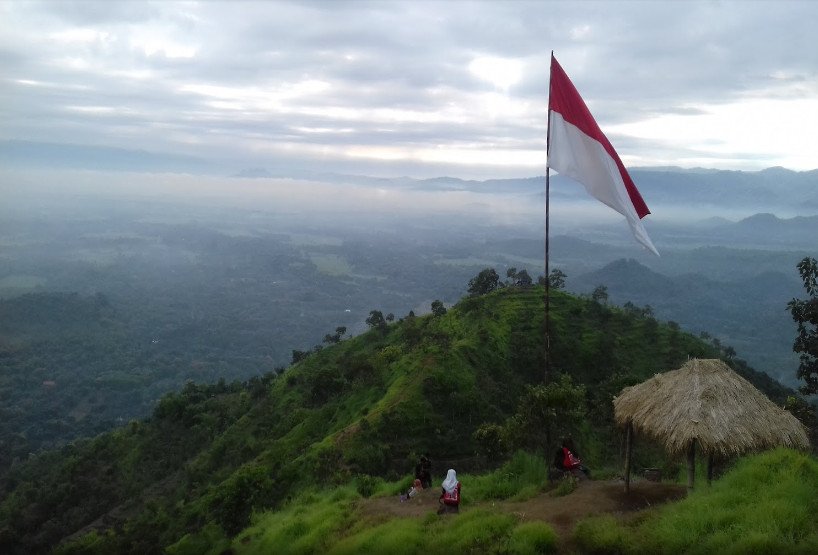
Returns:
(451, 481)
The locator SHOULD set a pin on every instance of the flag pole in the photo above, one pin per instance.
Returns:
(547, 218)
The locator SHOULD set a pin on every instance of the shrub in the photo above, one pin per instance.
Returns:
(601, 535)
(524, 475)
(533, 537)
(366, 485)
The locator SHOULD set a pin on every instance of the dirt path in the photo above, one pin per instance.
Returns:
(562, 513)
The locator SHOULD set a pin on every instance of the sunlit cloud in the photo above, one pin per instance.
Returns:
(503, 73)
(770, 129)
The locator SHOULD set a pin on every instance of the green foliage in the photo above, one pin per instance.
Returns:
(308, 525)
(532, 538)
(603, 535)
(524, 476)
(805, 314)
(366, 485)
(806, 414)
(477, 531)
(210, 540)
(766, 504)
(437, 308)
(483, 283)
(491, 440)
(556, 279)
(542, 410)
(396, 536)
(233, 502)
(376, 320)
(600, 294)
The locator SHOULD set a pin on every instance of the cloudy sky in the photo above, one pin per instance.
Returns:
(419, 88)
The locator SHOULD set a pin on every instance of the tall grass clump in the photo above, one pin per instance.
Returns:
(308, 525)
(523, 477)
(531, 538)
(767, 504)
(474, 531)
(602, 534)
(398, 536)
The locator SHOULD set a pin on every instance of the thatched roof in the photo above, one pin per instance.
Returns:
(707, 401)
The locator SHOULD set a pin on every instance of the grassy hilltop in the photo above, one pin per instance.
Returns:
(302, 450)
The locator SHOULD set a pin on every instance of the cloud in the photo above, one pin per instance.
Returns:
(457, 87)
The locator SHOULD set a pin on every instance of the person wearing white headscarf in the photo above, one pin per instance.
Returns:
(450, 495)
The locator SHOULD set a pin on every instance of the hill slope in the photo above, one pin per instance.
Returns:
(211, 455)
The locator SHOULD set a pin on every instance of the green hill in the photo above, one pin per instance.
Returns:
(358, 411)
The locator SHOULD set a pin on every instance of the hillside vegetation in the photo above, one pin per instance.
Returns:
(342, 419)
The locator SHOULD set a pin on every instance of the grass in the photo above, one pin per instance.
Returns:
(332, 521)
(766, 504)
(308, 525)
(523, 477)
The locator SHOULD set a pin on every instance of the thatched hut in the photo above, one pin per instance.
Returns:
(705, 402)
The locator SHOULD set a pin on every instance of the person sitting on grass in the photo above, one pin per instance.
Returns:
(570, 460)
(450, 494)
(413, 491)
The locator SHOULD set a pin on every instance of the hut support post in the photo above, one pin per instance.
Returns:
(691, 464)
(628, 451)
(709, 468)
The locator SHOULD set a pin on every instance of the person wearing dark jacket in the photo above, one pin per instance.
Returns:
(423, 471)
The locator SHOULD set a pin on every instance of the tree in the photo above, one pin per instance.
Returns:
(600, 294)
(522, 278)
(543, 410)
(805, 314)
(438, 309)
(376, 320)
(556, 279)
(484, 282)
(298, 356)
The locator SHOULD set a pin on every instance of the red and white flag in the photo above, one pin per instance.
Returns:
(578, 149)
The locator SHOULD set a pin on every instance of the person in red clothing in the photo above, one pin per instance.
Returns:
(450, 494)
(570, 459)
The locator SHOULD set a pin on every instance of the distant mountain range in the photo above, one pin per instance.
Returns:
(776, 190)
(748, 312)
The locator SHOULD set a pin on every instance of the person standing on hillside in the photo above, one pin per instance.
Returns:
(423, 471)
(450, 494)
